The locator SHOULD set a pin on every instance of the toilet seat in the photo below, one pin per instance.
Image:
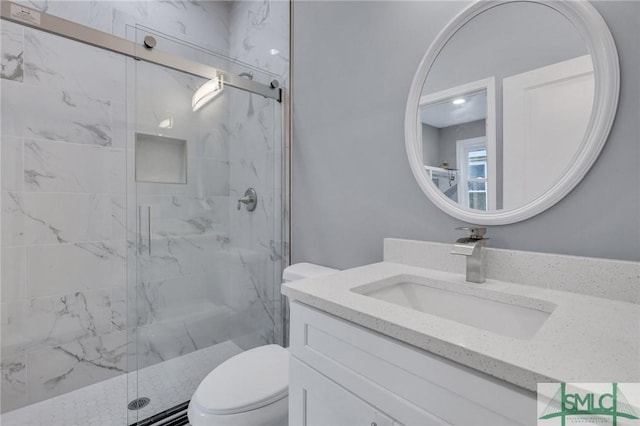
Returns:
(248, 381)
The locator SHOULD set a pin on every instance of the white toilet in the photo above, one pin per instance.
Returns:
(251, 388)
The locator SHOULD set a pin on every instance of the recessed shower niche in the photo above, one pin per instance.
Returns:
(160, 159)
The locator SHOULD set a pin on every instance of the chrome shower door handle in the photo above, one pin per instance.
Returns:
(149, 228)
(139, 229)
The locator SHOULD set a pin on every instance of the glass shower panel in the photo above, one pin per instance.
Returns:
(63, 340)
(205, 275)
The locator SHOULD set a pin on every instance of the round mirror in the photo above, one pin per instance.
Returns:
(510, 107)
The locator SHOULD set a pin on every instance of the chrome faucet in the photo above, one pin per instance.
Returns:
(473, 248)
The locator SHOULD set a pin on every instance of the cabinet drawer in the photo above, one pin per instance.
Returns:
(449, 391)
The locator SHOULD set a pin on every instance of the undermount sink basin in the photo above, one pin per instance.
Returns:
(513, 316)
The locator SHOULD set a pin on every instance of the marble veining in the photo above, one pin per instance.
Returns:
(13, 380)
(167, 334)
(12, 62)
(55, 320)
(119, 308)
(101, 250)
(47, 113)
(60, 369)
(118, 217)
(56, 269)
(103, 360)
(53, 61)
(46, 218)
(65, 167)
(55, 114)
(183, 216)
(203, 23)
(17, 202)
(251, 291)
(262, 27)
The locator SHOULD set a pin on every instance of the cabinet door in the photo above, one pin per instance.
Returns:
(315, 400)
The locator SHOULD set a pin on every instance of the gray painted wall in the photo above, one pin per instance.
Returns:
(353, 63)
(493, 45)
(430, 145)
(448, 136)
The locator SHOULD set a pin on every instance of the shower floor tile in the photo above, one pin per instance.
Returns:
(105, 403)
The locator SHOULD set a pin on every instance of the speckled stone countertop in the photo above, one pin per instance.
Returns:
(585, 339)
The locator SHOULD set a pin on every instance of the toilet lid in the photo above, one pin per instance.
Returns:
(247, 381)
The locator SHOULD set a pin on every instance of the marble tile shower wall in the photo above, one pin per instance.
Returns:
(259, 37)
(63, 225)
(64, 238)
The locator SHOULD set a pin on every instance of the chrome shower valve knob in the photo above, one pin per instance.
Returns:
(249, 199)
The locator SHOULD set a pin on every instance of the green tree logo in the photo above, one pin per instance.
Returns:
(614, 405)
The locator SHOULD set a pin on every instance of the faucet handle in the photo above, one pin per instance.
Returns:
(475, 232)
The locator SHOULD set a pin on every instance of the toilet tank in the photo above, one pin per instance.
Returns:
(300, 271)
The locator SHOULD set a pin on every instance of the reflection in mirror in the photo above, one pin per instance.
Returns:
(505, 106)
(457, 138)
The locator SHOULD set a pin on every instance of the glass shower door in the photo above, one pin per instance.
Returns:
(204, 275)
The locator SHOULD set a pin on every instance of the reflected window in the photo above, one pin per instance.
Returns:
(472, 162)
(477, 180)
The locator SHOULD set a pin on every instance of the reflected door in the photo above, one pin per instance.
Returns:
(546, 112)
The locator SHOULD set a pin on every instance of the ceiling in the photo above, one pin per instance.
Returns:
(446, 114)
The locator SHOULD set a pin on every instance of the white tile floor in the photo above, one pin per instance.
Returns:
(105, 403)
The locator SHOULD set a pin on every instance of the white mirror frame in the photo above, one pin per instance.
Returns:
(593, 29)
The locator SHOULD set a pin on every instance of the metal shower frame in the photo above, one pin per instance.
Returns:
(61, 27)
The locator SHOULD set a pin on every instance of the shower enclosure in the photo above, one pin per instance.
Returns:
(207, 270)
(130, 269)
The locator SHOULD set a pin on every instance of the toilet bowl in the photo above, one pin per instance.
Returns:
(251, 388)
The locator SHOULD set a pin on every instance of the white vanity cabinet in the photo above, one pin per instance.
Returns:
(342, 374)
(324, 402)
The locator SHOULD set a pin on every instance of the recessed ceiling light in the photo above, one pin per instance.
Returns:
(167, 123)
(459, 101)
(274, 52)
